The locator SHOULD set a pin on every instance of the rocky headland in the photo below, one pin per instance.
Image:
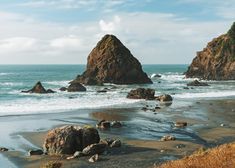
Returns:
(217, 60)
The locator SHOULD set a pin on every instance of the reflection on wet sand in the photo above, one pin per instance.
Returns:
(111, 115)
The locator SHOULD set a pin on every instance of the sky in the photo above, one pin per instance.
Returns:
(65, 31)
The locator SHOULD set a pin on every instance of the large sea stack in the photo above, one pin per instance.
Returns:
(111, 62)
(217, 60)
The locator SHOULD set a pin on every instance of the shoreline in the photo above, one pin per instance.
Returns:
(134, 147)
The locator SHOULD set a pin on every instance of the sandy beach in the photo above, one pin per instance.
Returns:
(140, 142)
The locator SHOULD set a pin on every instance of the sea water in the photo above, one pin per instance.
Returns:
(24, 112)
(15, 78)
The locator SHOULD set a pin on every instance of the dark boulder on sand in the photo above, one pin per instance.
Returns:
(69, 139)
(111, 62)
(197, 83)
(38, 88)
(141, 93)
(76, 87)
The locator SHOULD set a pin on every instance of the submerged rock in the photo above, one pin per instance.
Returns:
(179, 146)
(76, 87)
(141, 93)
(116, 124)
(2, 149)
(103, 124)
(50, 91)
(101, 91)
(116, 144)
(181, 124)
(63, 89)
(164, 98)
(197, 83)
(111, 62)
(69, 139)
(156, 76)
(38, 88)
(217, 60)
(168, 138)
(35, 152)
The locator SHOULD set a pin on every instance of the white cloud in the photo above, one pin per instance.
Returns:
(151, 37)
(110, 27)
(17, 44)
(70, 42)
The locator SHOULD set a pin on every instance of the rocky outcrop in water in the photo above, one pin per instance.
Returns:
(76, 87)
(111, 62)
(142, 93)
(38, 88)
(197, 83)
(164, 98)
(217, 60)
(69, 139)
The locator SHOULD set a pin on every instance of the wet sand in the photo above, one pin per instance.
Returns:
(133, 153)
(141, 133)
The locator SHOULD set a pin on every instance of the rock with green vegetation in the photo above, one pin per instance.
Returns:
(111, 62)
(217, 60)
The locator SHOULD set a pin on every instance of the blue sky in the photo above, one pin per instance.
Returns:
(65, 31)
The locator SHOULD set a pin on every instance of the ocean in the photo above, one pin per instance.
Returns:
(15, 78)
(202, 107)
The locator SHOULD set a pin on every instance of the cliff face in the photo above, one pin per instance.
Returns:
(217, 60)
(111, 62)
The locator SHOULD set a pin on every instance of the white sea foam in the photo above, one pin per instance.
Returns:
(11, 84)
(60, 103)
(206, 94)
(4, 74)
(174, 77)
(57, 83)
